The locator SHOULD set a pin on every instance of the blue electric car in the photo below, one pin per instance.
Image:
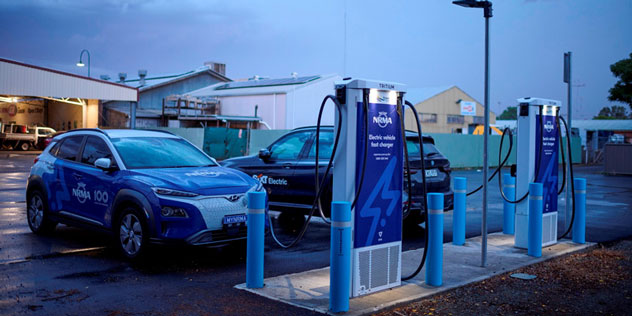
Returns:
(141, 186)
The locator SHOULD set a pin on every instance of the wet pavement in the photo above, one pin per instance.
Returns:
(74, 271)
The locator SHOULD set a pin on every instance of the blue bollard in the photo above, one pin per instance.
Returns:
(509, 209)
(534, 233)
(256, 230)
(340, 257)
(458, 220)
(579, 225)
(434, 263)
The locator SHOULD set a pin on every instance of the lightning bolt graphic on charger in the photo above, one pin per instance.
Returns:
(381, 189)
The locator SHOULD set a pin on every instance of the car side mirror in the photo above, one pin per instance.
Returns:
(104, 164)
(264, 154)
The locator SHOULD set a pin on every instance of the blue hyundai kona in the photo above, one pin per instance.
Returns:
(141, 186)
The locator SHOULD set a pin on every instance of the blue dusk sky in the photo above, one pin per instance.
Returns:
(419, 43)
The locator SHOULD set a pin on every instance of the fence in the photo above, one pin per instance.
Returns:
(463, 151)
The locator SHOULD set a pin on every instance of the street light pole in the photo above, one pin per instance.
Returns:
(487, 13)
(81, 64)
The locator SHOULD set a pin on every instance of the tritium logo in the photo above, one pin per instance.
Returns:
(81, 193)
(382, 120)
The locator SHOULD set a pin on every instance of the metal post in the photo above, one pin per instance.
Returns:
(255, 241)
(340, 257)
(132, 112)
(534, 233)
(434, 265)
(568, 210)
(485, 144)
(509, 209)
(579, 225)
(458, 220)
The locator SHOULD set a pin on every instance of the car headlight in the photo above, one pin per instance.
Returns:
(255, 188)
(170, 192)
(170, 211)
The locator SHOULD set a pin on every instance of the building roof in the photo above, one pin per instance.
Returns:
(416, 95)
(158, 81)
(260, 86)
(22, 79)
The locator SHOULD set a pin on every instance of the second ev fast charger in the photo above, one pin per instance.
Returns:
(537, 161)
(371, 112)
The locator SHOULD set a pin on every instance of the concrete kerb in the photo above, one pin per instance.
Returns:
(310, 289)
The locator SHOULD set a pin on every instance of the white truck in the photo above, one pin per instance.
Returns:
(14, 136)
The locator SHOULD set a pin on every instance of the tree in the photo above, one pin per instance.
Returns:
(615, 112)
(510, 113)
(622, 90)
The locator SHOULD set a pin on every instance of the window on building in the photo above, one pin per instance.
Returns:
(456, 119)
(428, 117)
(478, 120)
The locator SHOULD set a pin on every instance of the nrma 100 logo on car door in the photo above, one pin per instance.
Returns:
(83, 195)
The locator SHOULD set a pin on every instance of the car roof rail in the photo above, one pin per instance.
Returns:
(98, 130)
(159, 130)
(312, 126)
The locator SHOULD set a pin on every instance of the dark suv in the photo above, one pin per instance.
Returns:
(286, 170)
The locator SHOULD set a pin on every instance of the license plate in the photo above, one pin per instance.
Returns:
(234, 219)
(431, 173)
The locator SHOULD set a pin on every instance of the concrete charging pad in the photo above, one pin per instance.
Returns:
(461, 265)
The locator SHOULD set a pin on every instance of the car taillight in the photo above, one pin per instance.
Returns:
(36, 160)
(411, 172)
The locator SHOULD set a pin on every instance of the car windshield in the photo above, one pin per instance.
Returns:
(412, 145)
(159, 152)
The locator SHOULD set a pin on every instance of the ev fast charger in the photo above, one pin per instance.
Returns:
(377, 216)
(538, 150)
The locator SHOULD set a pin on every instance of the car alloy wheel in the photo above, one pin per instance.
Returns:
(131, 235)
(25, 146)
(35, 212)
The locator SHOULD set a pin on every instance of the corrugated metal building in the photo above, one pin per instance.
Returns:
(33, 95)
(283, 103)
(153, 90)
(446, 109)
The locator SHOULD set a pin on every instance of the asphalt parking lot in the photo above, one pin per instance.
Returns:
(74, 271)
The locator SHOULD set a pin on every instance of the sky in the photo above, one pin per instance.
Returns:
(426, 43)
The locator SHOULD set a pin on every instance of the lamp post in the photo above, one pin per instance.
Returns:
(81, 64)
(487, 13)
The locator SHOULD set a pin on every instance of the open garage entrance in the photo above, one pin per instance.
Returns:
(34, 96)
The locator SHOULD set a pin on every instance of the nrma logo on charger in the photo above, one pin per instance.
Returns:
(382, 120)
(549, 126)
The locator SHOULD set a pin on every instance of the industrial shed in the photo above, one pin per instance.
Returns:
(34, 95)
(281, 103)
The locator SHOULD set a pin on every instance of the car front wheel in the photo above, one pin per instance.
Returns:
(37, 214)
(132, 233)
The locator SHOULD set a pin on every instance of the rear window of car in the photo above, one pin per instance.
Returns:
(70, 147)
(159, 152)
(412, 145)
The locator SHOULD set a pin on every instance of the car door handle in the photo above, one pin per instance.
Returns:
(287, 165)
(77, 176)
